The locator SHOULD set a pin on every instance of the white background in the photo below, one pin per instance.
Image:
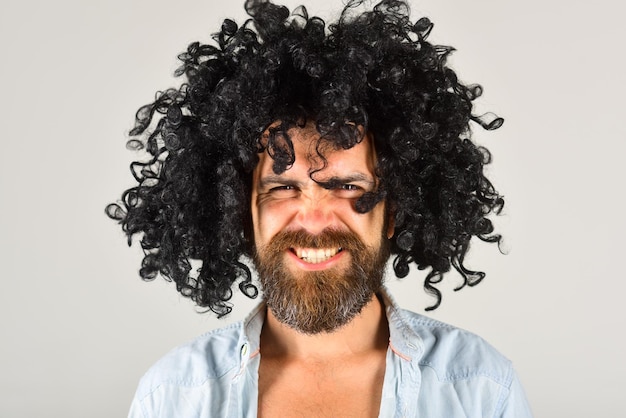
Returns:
(79, 328)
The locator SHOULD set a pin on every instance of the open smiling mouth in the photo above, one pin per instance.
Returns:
(315, 255)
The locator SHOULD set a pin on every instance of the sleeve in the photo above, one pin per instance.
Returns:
(136, 411)
(515, 404)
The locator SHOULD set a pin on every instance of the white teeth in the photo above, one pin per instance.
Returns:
(315, 255)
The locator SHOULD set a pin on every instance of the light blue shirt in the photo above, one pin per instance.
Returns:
(432, 370)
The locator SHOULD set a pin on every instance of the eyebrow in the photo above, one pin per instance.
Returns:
(350, 178)
(327, 183)
(277, 179)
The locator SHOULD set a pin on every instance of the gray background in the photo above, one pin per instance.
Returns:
(79, 327)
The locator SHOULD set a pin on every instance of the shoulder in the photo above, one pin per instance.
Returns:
(456, 354)
(208, 357)
(466, 374)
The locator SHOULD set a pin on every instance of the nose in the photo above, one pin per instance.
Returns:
(316, 213)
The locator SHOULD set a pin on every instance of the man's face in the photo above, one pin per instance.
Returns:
(319, 260)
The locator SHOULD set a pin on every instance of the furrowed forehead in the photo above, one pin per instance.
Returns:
(286, 144)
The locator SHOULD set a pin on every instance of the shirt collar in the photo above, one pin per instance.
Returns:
(403, 340)
(252, 326)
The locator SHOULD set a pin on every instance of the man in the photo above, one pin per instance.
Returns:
(316, 152)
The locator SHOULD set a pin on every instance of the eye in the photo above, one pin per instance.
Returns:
(348, 191)
(284, 191)
(278, 188)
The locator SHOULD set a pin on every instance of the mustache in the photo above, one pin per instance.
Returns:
(328, 238)
(312, 302)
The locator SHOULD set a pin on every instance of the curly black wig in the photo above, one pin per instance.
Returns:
(373, 70)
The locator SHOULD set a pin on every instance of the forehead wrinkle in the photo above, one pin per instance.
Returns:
(278, 179)
(324, 161)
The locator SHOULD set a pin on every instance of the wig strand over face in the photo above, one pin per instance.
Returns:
(371, 71)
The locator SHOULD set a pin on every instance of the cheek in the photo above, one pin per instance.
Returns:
(273, 216)
(269, 218)
(372, 225)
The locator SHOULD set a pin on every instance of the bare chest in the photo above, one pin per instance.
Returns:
(351, 389)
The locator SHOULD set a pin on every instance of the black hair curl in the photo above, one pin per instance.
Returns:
(373, 70)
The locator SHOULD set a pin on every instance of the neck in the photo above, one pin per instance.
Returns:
(368, 331)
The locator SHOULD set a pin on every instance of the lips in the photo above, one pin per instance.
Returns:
(315, 255)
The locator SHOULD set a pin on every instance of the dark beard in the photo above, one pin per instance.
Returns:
(320, 301)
